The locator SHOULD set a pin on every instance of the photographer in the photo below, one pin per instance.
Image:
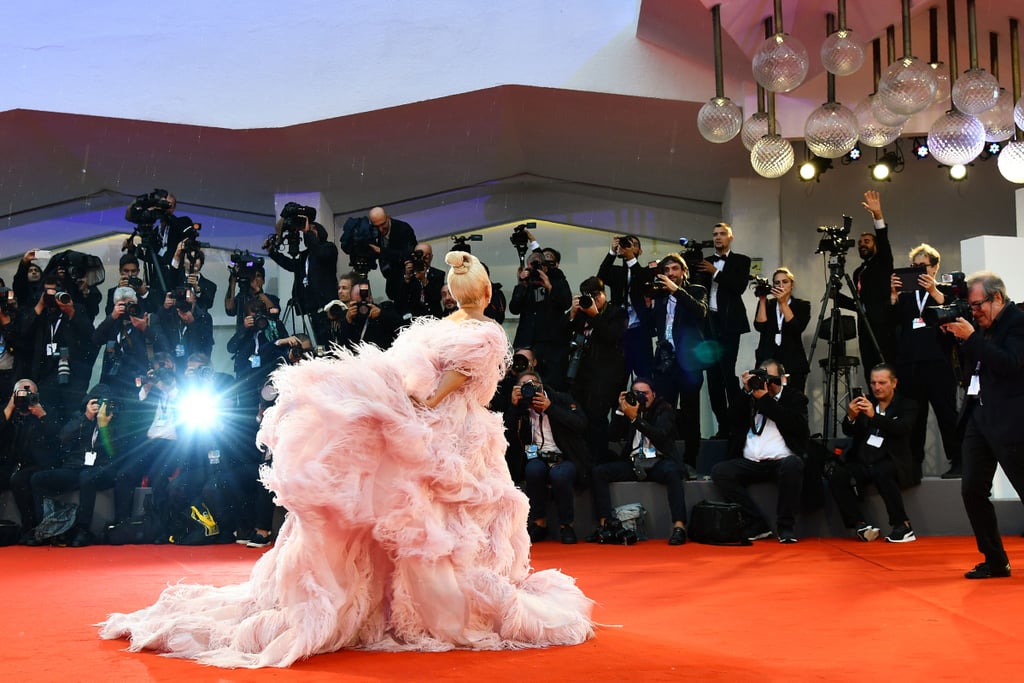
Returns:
(28, 280)
(725, 275)
(627, 283)
(394, 241)
(676, 321)
(781, 323)
(418, 291)
(769, 437)
(88, 446)
(546, 431)
(540, 299)
(10, 342)
(29, 437)
(158, 224)
(366, 321)
(315, 267)
(185, 327)
(597, 369)
(246, 275)
(130, 276)
(926, 357)
(646, 425)
(880, 453)
(993, 347)
(125, 335)
(254, 351)
(186, 269)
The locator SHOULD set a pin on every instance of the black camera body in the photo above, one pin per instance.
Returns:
(586, 301)
(357, 234)
(529, 390)
(147, 208)
(7, 300)
(418, 260)
(935, 316)
(519, 238)
(693, 251)
(636, 398)
(24, 400)
(760, 379)
(762, 286)
(520, 363)
(461, 242)
(836, 239)
(59, 296)
(133, 310)
(296, 216)
(243, 265)
(180, 296)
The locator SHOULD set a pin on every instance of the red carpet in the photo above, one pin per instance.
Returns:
(822, 610)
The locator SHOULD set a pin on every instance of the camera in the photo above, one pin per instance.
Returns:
(64, 366)
(624, 241)
(419, 263)
(760, 379)
(134, 282)
(957, 283)
(191, 244)
(243, 265)
(24, 400)
(110, 403)
(363, 309)
(519, 238)
(180, 296)
(957, 306)
(261, 321)
(586, 301)
(461, 242)
(519, 363)
(296, 216)
(357, 234)
(335, 309)
(529, 390)
(147, 208)
(762, 286)
(576, 347)
(856, 392)
(635, 398)
(693, 250)
(132, 309)
(836, 239)
(165, 375)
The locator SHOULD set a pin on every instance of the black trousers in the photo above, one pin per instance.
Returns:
(665, 471)
(679, 386)
(639, 352)
(882, 473)
(86, 480)
(130, 470)
(932, 382)
(980, 457)
(722, 380)
(20, 484)
(733, 476)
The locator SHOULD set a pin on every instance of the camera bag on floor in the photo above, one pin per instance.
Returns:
(717, 523)
(634, 518)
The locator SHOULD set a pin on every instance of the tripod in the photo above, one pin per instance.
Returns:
(837, 366)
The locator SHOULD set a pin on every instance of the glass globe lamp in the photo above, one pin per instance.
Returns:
(907, 87)
(755, 128)
(772, 156)
(841, 53)
(869, 130)
(956, 138)
(998, 120)
(831, 130)
(719, 120)
(1018, 113)
(781, 63)
(884, 116)
(975, 92)
(941, 83)
(1011, 162)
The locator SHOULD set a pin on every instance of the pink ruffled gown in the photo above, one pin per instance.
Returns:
(404, 530)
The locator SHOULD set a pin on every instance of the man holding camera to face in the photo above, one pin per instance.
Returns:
(124, 336)
(546, 430)
(769, 439)
(540, 298)
(367, 321)
(418, 291)
(627, 283)
(186, 270)
(646, 425)
(130, 273)
(185, 327)
(28, 443)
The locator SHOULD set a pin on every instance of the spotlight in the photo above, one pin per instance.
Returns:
(884, 167)
(994, 148)
(813, 167)
(957, 172)
(921, 148)
(853, 155)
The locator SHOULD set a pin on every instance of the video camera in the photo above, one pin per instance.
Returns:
(836, 240)
(693, 250)
(191, 244)
(461, 242)
(762, 285)
(243, 265)
(760, 379)
(520, 240)
(357, 234)
(935, 316)
(147, 208)
(296, 217)
(24, 399)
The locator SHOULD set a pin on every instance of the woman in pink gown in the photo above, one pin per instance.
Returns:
(404, 530)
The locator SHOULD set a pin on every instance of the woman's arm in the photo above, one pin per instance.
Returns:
(450, 381)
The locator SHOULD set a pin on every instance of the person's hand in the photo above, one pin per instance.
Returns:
(374, 311)
(615, 246)
(865, 406)
(959, 328)
(524, 274)
(374, 248)
(104, 416)
(249, 322)
(666, 281)
(782, 292)
(92, 408)
(178, 250)
(67, 309)
(517, 395)
(119, 310)
(288, 341)
(543, 277)
(873, 203)
(38, 410)
(927, 283)
(350, 312)
(853, 409)
(29, 256)
(540, 402)
(705, 266)
(141, 323)
(628, 410)
(408, 271)
(896, 284)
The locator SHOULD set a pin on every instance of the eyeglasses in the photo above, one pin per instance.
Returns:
(976, 305)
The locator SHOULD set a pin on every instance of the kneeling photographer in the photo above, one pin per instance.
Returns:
(646, 426)
(546, 446)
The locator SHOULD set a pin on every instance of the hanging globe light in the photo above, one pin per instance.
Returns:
(841, 53)
(781, 63)
(1011, 162)
(907, 87)
(942, 89)
(831, 130)
(719, 120)
(755, 128)
(975, 92)
(772, 156)
(956, 138)
(998, 120)
(1018, 113)
(869, 130)
(884, 116)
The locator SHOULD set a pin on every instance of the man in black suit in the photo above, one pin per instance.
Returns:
(418, 292)
(676, 321)
(725, 274)
(872, 278)
(994, 351)
(880, 453)
(768, 442)
(395, 241)
(626, 283)
(540, 299)
(647, 429)
(316, 273)
(546, 432)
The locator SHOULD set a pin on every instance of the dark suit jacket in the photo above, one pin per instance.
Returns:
(789, 414)
(894, 427)
(613, 275)
(687, 326)
(568, 425)
(924, 343)
(401, 243)
(791, 351)
(658, 424)
(872, 278)
(322, 277)
(602, 372)
(733, 280)
(1000, 351)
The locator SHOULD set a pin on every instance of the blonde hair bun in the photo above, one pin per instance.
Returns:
(460, 261)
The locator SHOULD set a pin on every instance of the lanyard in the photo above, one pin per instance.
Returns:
(921, 302)
(53, 329)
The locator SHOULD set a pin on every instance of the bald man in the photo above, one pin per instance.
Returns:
(395, 241)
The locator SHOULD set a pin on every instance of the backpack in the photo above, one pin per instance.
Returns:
(717, 523)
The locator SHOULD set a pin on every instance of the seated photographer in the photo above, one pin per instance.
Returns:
(767, 443)
(597, 369)
(781, 323)
(540, 302)
(646, 425)
(546, 429)
(926, 357)
(185, 327)
(125, 335)
(418, 291)
(880, 453)
(88, 447)
(366, 321)
(186, 269)
(30, 444)
(315, 267)
(131, 276)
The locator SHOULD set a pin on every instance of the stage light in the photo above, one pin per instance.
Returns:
(887, 164)
(813, 167)
(957, 172)
(921, 148)
(853, 155)
(994, 148)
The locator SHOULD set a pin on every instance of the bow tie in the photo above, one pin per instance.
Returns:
(715, 258)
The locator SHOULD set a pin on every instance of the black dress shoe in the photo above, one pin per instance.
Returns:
(30, 540)
(537, 532)
(984, 570)
(951, 473)
(678, 536)
(80, 539)
(567, 535)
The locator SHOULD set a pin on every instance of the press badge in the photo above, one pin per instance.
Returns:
(90, 458)
(919, 323)
(254, 361)
(531, 451)
(179, 351)
(650, 452)
(875, 440)
(51, 350)
(975, 387)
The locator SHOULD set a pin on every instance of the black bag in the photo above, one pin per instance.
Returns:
(137, 530)
(717, 524)
(10, 532)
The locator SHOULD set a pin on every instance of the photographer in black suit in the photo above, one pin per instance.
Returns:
(881, 428)
(725, 274)
(993, 347)
(394, 242)
(546, 433)
(781, 323)
(540, 299)
(626, 282)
